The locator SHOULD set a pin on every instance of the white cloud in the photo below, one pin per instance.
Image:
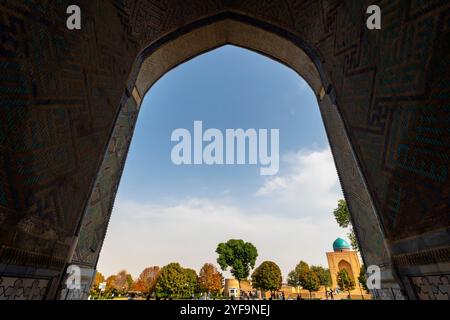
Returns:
(309, 185)
(189, 230)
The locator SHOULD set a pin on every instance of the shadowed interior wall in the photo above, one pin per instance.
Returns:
(64, 94)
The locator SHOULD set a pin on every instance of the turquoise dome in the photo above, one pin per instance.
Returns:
(340, 244)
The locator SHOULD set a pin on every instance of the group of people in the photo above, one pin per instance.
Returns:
(253, 295)
(330, 293)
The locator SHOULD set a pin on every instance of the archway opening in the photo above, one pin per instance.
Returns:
(175, 49)
(169, 212)
(344, 265)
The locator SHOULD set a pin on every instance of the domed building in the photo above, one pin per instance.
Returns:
(343, 257)
(340, 245)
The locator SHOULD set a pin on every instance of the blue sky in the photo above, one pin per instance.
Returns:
(166, 213)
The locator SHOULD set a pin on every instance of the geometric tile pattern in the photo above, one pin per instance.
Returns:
(364, 217)
(22, 288)
(432, 287)
(387, 294)
(96, 218)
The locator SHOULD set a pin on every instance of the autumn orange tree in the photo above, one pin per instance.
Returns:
(210, 279)
(95, 290)
(99, 278)
(120, 282)
(110, 289)
(146, 282)
(110, 281)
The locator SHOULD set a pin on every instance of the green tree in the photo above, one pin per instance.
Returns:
(267, 277)
(192, 286)
(130, 281)
(353, 241)
(342, 216)
(292, 279)
(362, 278)
(323, 275)
(345, 282)
(311, 282)
(240, 256)
(297, 276)
(172, 281)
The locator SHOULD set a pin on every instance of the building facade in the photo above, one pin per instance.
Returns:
(341, 258)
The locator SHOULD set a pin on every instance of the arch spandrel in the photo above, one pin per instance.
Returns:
(217, 34)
